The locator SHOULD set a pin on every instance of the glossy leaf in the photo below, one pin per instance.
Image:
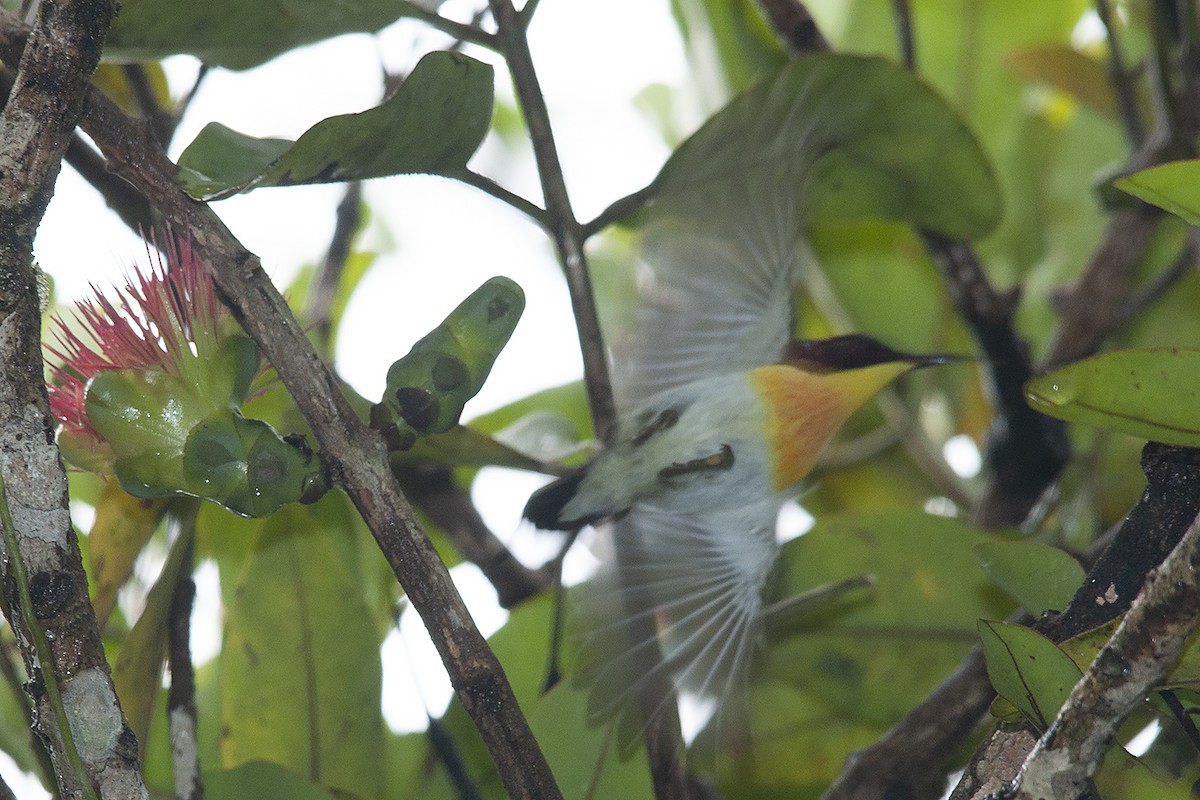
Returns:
(300, 668)
(123, 525)
(1039, 577)
(1028, 670)
(432, 124)
(1174, 187)
(238, 35)
(1150, 393)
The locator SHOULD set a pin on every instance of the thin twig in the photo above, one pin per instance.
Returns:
(181, 695)
(433, 488)
(1126, 96)
(1182, 716)
(486, 184)
(329, 274)
(564, 228)
(618, 210)
(125, 201)
(459, 30)
(796, 26)
(442, 744)
(1158, 286)
(527, 11)
(904, 33)
(160, 119)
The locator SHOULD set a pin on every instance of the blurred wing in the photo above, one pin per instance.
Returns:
(717, 273)
(692, 584)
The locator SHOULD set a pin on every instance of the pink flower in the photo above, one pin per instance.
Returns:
(166, 317)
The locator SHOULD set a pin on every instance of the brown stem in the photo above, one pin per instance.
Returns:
(564, 228)
(1126, 95)
(433, 489)
(181, 695)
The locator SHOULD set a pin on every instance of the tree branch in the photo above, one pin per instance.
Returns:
(181, 695)
(433, 489)
(35, 130)
(356, 455)
(1144, 647)
(1126, 96)
(564, 229)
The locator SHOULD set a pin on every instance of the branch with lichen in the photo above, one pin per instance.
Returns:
(53, 619)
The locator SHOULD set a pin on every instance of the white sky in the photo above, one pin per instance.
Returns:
(593, 57)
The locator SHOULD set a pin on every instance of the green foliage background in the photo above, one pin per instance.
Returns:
(291, 705)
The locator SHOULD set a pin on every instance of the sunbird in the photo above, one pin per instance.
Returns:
(722, 413)
(699, 469)
(720, 441)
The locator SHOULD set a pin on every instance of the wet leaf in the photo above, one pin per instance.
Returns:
(1149, 393)
(1039, 577)
(432, 124)
(1027, 669)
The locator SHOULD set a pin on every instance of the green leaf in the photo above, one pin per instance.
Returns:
(432, 124)
(873, 655)
(236, 34)
(730, 45)
(262, 780)
(1027, 669)
(1174, 187)
(904, 155)
(1149, 393)
(1039, 577)
(584, 760)
(300, 666)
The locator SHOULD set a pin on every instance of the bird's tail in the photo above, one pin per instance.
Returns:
(544, 507)
(681, 610)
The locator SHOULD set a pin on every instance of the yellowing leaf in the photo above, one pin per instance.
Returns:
(123, 525)
(1152, 393)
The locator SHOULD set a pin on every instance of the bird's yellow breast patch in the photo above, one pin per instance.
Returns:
(803, 410)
